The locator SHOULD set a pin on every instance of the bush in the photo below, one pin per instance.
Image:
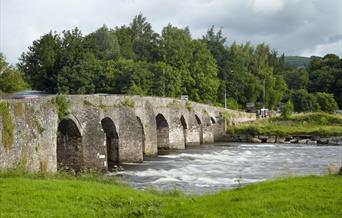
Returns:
(232, 104)
(12, 81)
(287, 109)
(62, 105)
(304, 101)
(326, 102)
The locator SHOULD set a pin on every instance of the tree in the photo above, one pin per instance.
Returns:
(215, 43)
(166, 80)
(125, 40)
(40, 63)
(297, 78)
(325, 75)
(144, 39)
(79, 78)
(11, 79)
(326, 102)
(103, 44)
(203, 71)
(304, 101)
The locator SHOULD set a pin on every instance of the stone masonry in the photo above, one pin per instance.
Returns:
(100, 130)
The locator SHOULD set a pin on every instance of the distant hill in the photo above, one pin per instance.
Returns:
(297, 61)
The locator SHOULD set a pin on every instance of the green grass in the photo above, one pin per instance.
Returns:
(320, 124)
(35, 196)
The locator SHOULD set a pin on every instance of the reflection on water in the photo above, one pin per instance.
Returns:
(213, 167)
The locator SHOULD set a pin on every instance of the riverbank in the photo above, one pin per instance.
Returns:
(311, 196)
(308, 128)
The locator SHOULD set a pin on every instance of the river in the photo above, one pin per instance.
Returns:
(214, 167)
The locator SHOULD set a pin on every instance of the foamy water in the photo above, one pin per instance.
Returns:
(214, 167)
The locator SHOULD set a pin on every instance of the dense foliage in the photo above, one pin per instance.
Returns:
(136, 60)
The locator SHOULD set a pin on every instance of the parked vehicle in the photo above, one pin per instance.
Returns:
(30, 94)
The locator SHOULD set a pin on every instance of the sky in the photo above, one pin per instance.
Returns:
(293, 27)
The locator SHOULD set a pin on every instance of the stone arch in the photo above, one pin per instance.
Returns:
(199, 123)
(112, 141)
(69, 145)
(142, 134)
(162, 132)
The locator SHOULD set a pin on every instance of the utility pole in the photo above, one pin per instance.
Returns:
(264, 92)
(225, 96)
(163, 83)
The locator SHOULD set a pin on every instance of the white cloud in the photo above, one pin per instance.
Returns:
(323, 49)
(267, 6)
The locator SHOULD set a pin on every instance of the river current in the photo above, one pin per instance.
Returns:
(208, 168)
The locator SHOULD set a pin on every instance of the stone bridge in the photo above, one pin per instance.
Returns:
(94, 131)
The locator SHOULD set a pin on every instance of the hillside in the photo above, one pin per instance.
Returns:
(297, 61)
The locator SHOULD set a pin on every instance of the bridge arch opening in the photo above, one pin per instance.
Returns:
(185, 126)
(112, 142)
(199, 123)
(213, 121)
(69, 146)
(142, 134)
(162, 132)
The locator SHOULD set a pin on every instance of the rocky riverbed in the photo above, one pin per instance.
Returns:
(296, 139)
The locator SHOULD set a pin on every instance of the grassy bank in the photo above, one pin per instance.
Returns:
(320, 124)
(311, 196)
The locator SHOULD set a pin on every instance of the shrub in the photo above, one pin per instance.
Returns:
(188, 105)
(232, 104)
(62, 105)
(287, 109)
(326, 102)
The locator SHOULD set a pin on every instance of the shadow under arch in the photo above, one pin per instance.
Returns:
(199, 123)
(162, 132)
(185, 127)
(212, 119)
(142, 134)
(69, 146)
(112, 142)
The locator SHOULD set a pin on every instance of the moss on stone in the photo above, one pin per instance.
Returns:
(62, 105)
(87, 103)
(175, 105)
(43, 166)
(18, 109)
(128, 102)
(38, 126)
(188, 105)
(22, 165)
(7, 125)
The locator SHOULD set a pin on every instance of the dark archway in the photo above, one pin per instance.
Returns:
(142, 134)
(185, 127)
(162, 132)
(112, 142)
(69, 146)
(199, 122)
(212, 120)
